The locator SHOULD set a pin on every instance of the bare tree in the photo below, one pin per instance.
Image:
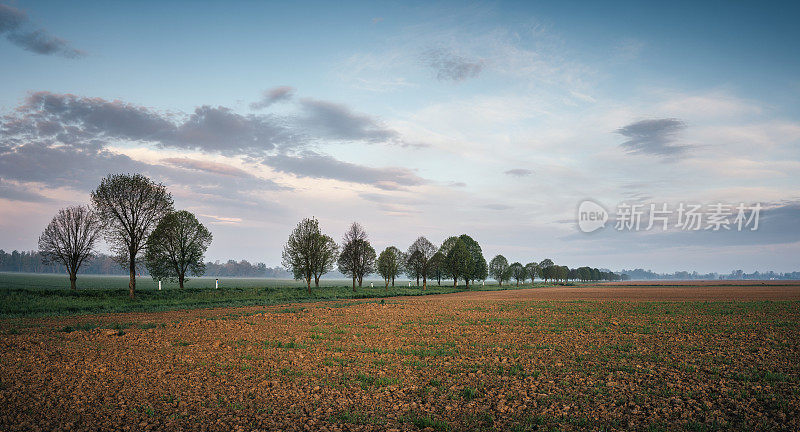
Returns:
(176, 247)
(358, 257)
(69, 239)
(130, 207)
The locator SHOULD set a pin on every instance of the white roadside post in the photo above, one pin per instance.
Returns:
(371, 285)
(216, 283)
(409, 284)
(159, 285)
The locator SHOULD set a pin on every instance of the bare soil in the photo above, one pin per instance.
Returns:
(614, 357)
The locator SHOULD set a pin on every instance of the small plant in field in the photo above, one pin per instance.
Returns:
(469, 393)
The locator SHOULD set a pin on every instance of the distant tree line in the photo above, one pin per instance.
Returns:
(104, 264)
(641, 274)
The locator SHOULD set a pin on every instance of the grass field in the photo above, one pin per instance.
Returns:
(523, 360)
(39, 295)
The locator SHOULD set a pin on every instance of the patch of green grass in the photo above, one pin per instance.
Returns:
(31, 295)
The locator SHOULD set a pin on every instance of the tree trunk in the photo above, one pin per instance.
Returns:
(316, 281)
(392, 281)
(181, 278)
(308, 284)
(72, 278)
(354, 283)
(424, 283)
(466, 283)
(417, 280)
(132, 282)
(386, 288)
(501, 282)
(455, 282)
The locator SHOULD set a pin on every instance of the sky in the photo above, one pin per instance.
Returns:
(495, 119)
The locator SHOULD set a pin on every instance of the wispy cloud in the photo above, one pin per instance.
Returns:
(654, 137)
(519, 172)
(13, 22)
(450, 66)
(269, 97)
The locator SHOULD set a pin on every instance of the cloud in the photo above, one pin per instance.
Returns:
(519, 172)
(335, 121)
(206, 166)
(313, 165)
(15, 192)
(653, 137)
(74, 120)
(11, 18)
(39, 41)
(449, 66)
(272, 96)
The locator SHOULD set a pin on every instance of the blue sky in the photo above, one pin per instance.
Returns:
(496, 119)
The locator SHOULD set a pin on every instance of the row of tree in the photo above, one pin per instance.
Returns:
(135, 215)
(309, 254)
(501, 271)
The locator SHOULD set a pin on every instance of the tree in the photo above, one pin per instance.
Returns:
(436, 267)
(478, 270)
(419, 258)
(176, 247)
(69, 239)
(498, 269)
(533, 270)
(358, 256)
(390, 264)
(130, 207)
(325, 258)
(518, 272)
(546, 269)
(458, 263)
(308, 253)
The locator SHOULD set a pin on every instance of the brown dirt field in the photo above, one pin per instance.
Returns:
(509, 360)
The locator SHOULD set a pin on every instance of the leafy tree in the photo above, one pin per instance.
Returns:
(498, 269)
(518, 272)
(130, 207)
(308, 253)
(176, 247)
(358, 256)
(444, 250)
(390, 264)
(478, 270)
(419, 259)
(69, 239)
(436, 267)
(533, 270)
(459, 262)
(546, 269)
(327, 251)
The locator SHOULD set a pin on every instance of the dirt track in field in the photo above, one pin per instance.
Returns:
(468, 361)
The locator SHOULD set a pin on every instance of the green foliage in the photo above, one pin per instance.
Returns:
(518, 272)
(498, 269)
(390, 264)
(308, 253)
(176, 247)
(358, 256)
